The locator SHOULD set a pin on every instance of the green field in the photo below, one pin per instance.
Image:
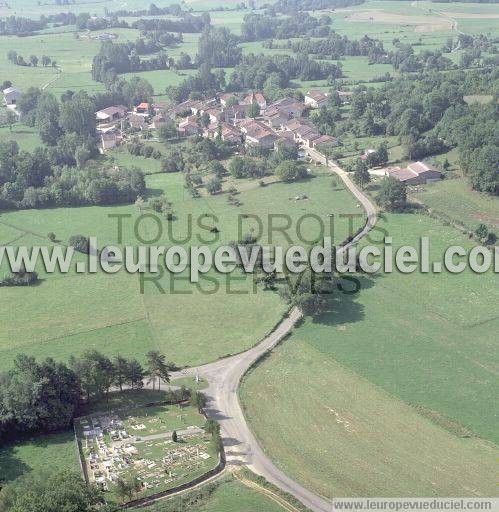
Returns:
(26, 137)
(404, 340)
(340, 435)
(455, 200)
(108, 312)
(44, 453)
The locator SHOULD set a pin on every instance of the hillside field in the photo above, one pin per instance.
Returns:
(405, 341)
(108, 312)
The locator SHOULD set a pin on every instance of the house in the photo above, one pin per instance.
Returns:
(211, 131)
(160, 120)
(142, 108)
(235, 113)
(306, 135)
(275, 121)
(11, 96)
(417, 173)
(255, 97)
(138, 122)
(201, 106)
(189, 126)
(325, 141)
(230, 134)
(110, 114)
(257, 134)
(289, 107)
(316, 99)
(293, 124)
(110, 140)
(183, 108)
(216, 115)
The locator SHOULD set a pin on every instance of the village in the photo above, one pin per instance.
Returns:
(247, 121)
(158, 447)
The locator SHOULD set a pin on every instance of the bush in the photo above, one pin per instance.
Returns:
(80, 243)
(289, 171)
(214, 185)
(244, 167)
(147, 151)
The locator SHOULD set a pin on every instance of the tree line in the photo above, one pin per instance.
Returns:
(39, 397)
(257, 27)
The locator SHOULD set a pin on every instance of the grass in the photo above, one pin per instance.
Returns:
(405, 341)
(455, 200)
(26, 137)
(340, 435)
(234, 495)
(66, 314)
(38, 454)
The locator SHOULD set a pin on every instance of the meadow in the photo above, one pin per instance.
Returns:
(454, 199)
(360, 373)
(191, 323)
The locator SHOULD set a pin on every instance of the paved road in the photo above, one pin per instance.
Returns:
(224, 376)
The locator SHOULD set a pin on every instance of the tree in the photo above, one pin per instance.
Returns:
(37, 396)
(290, 170)
(127, 487)
(78, 115)
(47, 119)
(137, 90)
(482, 233)
(157, 368)
(46, 61)
(382, 154)
(135, 374)
(120, 371)
(198, 400)
(27, 105)
(42, 492)
(51, 236)
(214, 185)
(10, 118)
(361, 175)
(217, 169)
(95, 373)
(392, 195)
(174, 436)
(33, 59)
(253, 110)
(219, 48)
(167, 131)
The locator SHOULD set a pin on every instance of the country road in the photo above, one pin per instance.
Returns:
(224, 376)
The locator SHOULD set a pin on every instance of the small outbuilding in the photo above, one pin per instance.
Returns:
(11, 96)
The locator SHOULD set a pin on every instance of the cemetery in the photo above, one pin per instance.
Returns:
(159, 447)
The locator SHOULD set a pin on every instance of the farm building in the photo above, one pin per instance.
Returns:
(11, 96)
(417, 173)
(110, 114)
